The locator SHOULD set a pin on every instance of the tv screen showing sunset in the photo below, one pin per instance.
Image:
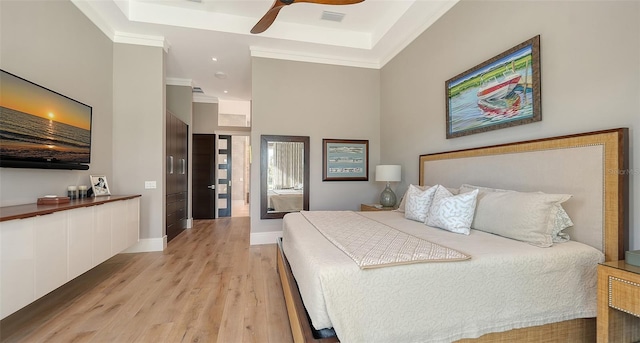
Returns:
(41, 125)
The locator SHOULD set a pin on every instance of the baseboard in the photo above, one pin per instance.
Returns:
(259, 238)
(148, 244)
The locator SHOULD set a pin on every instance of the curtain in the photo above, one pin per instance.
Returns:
(286, 165)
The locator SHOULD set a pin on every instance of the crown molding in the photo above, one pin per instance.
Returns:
(174, 81)
(137, 39)
(431, 12)
(312, 58)
(94, 17)
(205, 99)
(116, 36)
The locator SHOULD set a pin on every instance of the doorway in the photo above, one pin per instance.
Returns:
(241, 174)
(225, 163)
(221, 171)
(204, 177)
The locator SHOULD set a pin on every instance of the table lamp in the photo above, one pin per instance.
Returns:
(388, 173)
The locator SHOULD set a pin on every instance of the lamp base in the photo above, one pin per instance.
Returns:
(387, 197)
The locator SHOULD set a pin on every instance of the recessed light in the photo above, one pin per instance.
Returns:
(214, 59)
(220, 75)
(225, 92)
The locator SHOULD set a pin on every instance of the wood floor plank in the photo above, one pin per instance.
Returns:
(255, 314)
(209, 285)
(278, 326)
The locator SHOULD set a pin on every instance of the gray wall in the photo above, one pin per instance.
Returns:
(590, 61)
(205, 120)
(74, 59)
(179, 102)
(205, 117)
(123, 83)
(590, 81)
(319, 101)
(138, 131)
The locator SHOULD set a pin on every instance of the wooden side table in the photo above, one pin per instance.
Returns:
(375, 207)
(618, 302)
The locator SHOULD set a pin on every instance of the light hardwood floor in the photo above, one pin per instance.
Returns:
(209, 285)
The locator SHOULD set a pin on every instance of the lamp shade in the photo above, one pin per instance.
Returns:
(389, 173)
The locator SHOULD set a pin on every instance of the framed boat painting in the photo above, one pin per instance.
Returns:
(345, 160)
(501, 92)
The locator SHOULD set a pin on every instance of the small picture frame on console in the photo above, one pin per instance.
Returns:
(99, 185)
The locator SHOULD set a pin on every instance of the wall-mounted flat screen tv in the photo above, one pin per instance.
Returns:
(40, 128)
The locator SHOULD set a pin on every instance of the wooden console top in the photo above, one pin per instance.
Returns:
(32, 210)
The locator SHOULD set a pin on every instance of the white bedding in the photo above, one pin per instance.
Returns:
(506, 284)
(285, 200)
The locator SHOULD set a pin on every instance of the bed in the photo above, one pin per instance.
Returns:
(285, 200)
(489, 297)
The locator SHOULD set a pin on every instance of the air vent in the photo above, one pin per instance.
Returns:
(198, 1)
(197, 90)
(332, 16)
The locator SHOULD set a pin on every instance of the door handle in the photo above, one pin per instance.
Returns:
(211, 186)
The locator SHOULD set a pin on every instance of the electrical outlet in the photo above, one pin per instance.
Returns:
(149, 185)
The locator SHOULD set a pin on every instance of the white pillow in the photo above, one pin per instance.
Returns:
(560, 222)
(403, 200)
(418, 202)
(527, 217)
(452, 212)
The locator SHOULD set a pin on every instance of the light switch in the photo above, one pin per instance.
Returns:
(149, 185)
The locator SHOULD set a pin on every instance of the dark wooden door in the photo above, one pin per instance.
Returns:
(203, 177)
(172, 225)
(177, 150)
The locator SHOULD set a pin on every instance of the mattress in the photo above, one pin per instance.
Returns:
(285, 200)
(506, 284)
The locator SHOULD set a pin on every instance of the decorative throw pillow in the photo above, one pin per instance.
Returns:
(560, 222)
(418, 202)
(452, 212)
(403, 201)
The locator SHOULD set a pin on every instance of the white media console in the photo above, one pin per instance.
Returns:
(44, 246)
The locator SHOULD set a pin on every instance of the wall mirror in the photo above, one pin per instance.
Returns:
(284, 175)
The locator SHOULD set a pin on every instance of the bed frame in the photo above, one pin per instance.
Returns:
(590, 166)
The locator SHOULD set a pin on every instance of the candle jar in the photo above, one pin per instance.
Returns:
(82, 192)
(72, 192)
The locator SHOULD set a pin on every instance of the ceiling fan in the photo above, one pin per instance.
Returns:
(272, 13)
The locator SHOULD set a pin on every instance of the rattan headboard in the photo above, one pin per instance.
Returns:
(591, 166)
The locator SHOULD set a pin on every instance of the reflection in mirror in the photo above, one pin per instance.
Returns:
(284, 175)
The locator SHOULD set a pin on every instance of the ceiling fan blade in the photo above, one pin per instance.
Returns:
(331, 2)
(269, 17)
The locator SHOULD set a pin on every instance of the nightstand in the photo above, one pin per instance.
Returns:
(372, 207)
(618, 302)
